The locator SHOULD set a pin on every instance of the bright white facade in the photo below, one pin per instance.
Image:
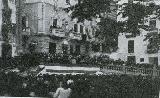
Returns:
(137, 44)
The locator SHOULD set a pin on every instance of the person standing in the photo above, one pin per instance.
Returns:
(63, 91)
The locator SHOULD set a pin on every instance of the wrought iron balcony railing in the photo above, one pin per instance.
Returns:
(75, 35)
(57, 32)
(26, 31)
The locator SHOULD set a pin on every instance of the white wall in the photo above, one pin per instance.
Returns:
(12, 5)
(140, 47)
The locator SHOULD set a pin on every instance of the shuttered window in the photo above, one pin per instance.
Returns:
(75, 28)
(81, 29)
(131, 46)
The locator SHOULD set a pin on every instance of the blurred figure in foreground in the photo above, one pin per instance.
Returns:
(63, 91)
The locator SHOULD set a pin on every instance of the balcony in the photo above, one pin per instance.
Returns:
(153, 30)
(58, 32)
(76, 36)
(129, 35)
(26, 31)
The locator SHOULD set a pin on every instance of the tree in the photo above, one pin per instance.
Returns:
(108, 33)
(136, 12)
(6, 29)
(154, 42)
(89, 9)
(109, 29)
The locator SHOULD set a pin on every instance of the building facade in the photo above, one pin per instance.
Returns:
(48, 28)
(135, 48)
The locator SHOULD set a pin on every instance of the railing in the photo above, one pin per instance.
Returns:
(58, 32)
(130, 70)
(76, 35)
(61, 33)
(26, 31)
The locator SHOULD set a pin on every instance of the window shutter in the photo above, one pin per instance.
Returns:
(81, 29)
(75, 28)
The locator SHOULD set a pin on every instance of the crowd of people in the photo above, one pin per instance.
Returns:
(79, 86)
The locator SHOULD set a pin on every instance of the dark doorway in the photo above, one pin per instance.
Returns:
(153, 60)
(131, 59)
(71, 49)
(52, 48)
(6, 50)
(65, 49)
(96, 47)
(77, 49)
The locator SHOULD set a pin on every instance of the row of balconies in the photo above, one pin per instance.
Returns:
(70, 34)
(58, 32)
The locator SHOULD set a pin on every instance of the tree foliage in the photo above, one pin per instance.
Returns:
(6, 19)
(154, 42)
(91, 9)
(108, 32)
(136, 12)
(6, 28)
(88, 9)
(108, 28)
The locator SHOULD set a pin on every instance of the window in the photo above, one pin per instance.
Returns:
(103, 47)
(96, 47)
(131, 46)
(68, 1)
(12, 1)
(66, 22)
(24, 22)
(65, 48)
(55, 23)
(6, 50)
(24, 40)
(153, 60)
(141, 59)
(86, 30)
(79, 1)
(52, 48)
(77, 49)
(152, 23)
(75, 28)
(84, 37)
(87, 48)
(71, 49)
(81, 29)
